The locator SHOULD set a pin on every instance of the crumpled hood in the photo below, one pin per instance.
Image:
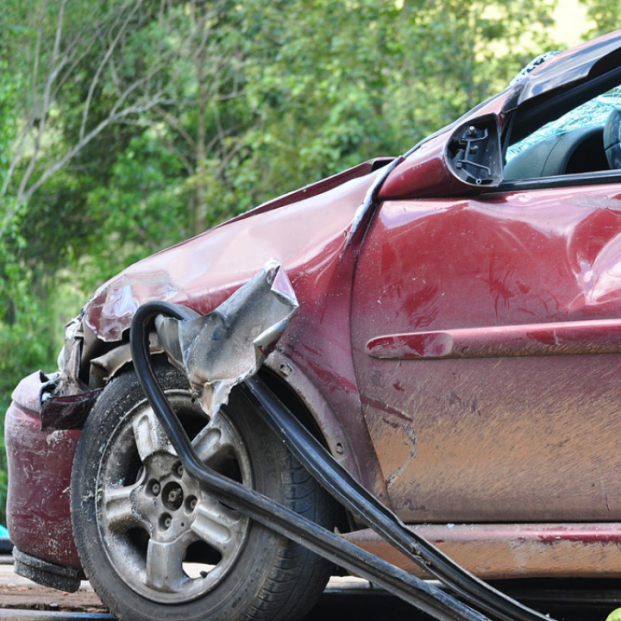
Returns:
(203, 271)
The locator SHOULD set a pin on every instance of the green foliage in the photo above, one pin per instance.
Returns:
(605, 14)
(143, 207)
(343, 82)
(7, 123)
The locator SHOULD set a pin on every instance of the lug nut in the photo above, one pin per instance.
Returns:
(172, 496)
(155, 488)
(167, 522)
(193, 504)
(180, 471)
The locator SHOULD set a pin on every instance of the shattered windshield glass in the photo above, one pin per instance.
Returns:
(593, 113)
(533, 64)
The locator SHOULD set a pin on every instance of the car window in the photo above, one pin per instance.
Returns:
(571, 144)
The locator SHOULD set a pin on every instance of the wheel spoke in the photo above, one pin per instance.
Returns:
(218, 526)
(150, 435)
(164, 565)
(212, 440)
(119, 510)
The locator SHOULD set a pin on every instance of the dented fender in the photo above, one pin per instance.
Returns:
(310, 236)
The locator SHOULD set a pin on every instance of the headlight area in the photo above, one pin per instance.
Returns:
(86, 364)
(65, 397)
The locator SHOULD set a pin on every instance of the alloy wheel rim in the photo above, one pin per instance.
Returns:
(167, 538)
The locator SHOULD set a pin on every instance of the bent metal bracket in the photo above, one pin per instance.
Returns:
(226, 348)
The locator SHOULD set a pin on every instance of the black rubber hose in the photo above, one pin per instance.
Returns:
(344, 488)
(424, 596)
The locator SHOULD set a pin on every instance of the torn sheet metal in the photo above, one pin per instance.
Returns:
(105, 367)
(222, 349)
(67, 382)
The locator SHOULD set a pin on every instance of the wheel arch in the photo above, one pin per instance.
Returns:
(297, 391)
(284, 377)
(293, 386)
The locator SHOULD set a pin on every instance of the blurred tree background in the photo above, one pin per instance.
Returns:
(129, 125)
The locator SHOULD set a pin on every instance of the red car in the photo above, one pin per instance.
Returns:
(457, 349)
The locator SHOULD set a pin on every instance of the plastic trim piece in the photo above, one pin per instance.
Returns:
(46, 573)
(599, 336)
(560, 181)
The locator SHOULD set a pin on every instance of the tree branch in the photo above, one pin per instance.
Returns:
(104, 61)
(45, 100)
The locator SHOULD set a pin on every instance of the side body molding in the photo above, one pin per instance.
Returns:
(602, 336)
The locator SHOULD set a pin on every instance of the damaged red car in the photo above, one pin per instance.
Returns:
(453, 340)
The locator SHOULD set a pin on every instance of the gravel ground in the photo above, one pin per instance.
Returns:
(345, 599)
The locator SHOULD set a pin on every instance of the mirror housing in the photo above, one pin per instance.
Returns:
(473, 153)
(457, 161)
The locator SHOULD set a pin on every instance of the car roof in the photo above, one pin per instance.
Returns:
(568, 67)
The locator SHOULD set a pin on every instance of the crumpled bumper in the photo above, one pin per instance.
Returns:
(39, 462)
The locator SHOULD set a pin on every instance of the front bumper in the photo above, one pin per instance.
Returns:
(39, 464)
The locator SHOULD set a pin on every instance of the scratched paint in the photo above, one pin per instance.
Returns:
(487, 438)
(500, 551)
(39, 462)
(452, 300)
(601, 336)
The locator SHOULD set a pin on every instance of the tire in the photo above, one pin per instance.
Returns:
(155, 546)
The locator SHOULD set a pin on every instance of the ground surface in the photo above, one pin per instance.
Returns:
(345, 599)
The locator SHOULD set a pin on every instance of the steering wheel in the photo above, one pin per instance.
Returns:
(612, 139)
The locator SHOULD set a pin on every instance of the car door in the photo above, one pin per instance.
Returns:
(487, 344)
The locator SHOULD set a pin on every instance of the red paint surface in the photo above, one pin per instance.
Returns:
(38, 505)
(589, 59)
(425, 172)
(596, 533)
(314, 189)
(500, 437)
(308, 238)
(501, 551)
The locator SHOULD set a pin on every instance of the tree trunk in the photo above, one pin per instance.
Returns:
(199, 205)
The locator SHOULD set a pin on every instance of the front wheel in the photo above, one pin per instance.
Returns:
(156, 546)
